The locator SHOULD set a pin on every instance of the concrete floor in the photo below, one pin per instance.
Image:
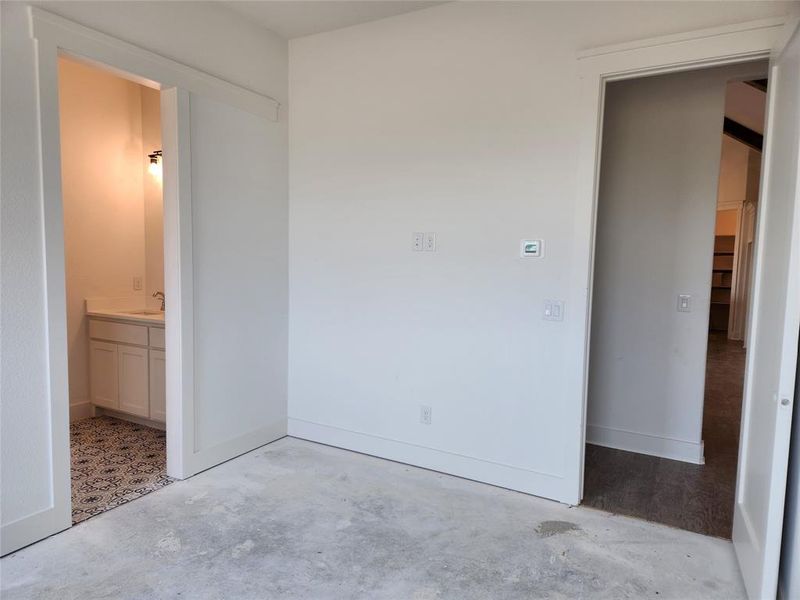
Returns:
(301, 520)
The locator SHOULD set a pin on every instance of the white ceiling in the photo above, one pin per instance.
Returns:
(295, 18)
(746, 105)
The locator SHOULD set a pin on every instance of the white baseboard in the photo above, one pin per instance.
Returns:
(80, 410)
(211, 457)
(512, 477)
(99, 410)
(644, 443)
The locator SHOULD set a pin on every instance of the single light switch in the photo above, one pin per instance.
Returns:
(137, 283)
(684, 303)
(531, 248)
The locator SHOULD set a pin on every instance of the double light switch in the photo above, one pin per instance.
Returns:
(424, 242)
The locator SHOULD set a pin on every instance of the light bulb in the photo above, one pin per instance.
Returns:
(155, 168)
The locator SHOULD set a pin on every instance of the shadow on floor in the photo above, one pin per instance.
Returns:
(697, 498)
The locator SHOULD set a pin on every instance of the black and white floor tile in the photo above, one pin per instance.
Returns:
(114, 462)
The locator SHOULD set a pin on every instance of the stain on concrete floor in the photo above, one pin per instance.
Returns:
(550, 528)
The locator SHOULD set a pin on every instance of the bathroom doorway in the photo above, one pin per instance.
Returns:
(216, 136)
(111, 182)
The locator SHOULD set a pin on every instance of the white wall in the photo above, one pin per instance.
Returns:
(153, 195)
(201, 35)
(459, 119)
(103, 191)
(655, 238)
(732, 171)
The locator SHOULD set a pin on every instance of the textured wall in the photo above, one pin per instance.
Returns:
(102, 190)
(202, 35)
(461, 119)
(655, 237)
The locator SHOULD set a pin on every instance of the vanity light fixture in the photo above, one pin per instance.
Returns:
(155, 163)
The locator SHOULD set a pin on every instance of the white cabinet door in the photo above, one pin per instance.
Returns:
(103, 383)
(133, 385)
(158, 385)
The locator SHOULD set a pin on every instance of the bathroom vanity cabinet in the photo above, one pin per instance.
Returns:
(127, 366)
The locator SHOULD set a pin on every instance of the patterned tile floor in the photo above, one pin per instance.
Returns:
(114, 462)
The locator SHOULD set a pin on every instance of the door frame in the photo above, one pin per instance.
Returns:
(740, 43)
(55, 36)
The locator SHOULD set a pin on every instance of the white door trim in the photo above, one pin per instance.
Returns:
(144, 66)
(178, 281)
(668, 54)
(54, 35)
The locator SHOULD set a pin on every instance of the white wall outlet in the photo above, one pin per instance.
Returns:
(553, 310)
(684, 303)
(425, 414)
(419, 242)
(531, 248)
(137, 283)
(430, 242)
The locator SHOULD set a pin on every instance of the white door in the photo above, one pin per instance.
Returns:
(103, 381)
(133, 381)
(772, 352)
(236, 397)
(158, 386)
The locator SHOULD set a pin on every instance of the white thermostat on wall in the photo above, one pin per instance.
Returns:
(531, 248)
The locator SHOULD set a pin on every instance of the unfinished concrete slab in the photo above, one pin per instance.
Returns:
(301, 520)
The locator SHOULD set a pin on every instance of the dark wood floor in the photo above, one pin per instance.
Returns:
(694, 497)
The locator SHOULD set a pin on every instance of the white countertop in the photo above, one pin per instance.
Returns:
(133, 315)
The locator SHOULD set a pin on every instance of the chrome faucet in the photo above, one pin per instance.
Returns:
(160, 296)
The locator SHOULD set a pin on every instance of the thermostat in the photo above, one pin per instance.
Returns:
(531, 248)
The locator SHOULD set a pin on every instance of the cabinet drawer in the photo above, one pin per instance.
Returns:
(118, 332)
(157, 337)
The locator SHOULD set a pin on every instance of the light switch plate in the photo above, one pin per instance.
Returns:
(418, 243)
(137, 283)
(553, 310)
(684, 303)
(531, 248)
(425, 414)
(429, 243)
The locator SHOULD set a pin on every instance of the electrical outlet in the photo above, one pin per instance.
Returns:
(430, 242)
(419, 242)
(137, 283)
(425, 415)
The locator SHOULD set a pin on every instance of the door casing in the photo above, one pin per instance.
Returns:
(697, 50)
(56, 36)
